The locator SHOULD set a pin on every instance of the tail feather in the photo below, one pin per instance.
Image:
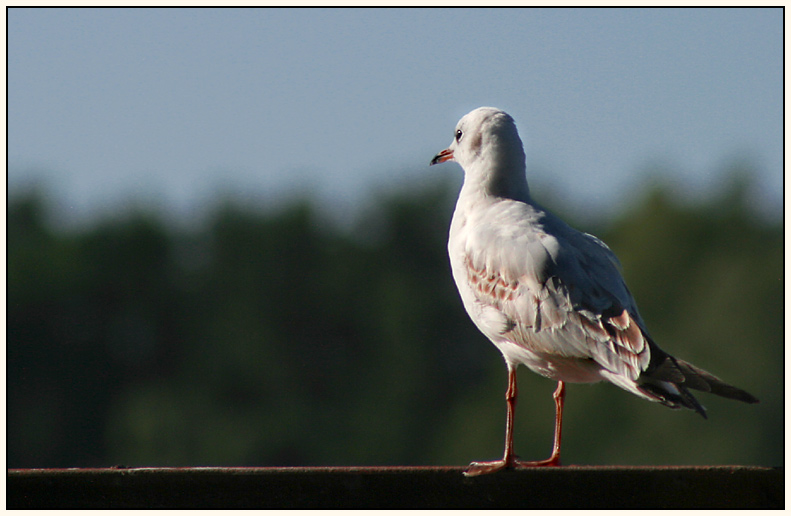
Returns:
(673, 396)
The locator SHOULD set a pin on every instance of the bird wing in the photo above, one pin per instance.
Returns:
(552, 289)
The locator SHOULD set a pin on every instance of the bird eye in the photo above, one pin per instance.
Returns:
(458, 135)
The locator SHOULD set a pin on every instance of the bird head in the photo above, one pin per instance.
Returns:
(487, 146)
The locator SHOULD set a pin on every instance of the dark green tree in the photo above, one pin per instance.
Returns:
(271, 337)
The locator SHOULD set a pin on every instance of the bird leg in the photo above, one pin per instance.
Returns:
(560, 396)
(509, 459)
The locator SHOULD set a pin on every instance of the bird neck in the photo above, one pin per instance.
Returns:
(506, 180)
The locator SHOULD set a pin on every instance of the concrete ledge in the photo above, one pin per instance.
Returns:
(568, 487)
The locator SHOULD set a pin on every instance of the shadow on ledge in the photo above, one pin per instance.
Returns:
(568, 487)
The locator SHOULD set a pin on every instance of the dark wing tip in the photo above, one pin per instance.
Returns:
(685, 376)
(713, 384)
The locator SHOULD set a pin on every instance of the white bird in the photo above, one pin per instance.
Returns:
(548, 296)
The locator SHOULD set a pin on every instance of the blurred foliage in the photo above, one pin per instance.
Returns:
(272, 338)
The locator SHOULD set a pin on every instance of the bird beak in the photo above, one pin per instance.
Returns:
(442, 157)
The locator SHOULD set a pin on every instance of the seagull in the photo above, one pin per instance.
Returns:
(548, 296)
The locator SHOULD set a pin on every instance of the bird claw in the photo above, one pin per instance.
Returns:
(483, 468)
(550, 462)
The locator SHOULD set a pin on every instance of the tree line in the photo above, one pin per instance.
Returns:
(270, 338)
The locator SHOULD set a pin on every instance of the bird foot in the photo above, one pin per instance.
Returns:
(483, 468)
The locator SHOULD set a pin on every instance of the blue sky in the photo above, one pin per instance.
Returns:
(106, 106)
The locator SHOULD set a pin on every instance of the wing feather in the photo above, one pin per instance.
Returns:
(557, 290)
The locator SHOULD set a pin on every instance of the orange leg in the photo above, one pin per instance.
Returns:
(509, 459)
(560, 396)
